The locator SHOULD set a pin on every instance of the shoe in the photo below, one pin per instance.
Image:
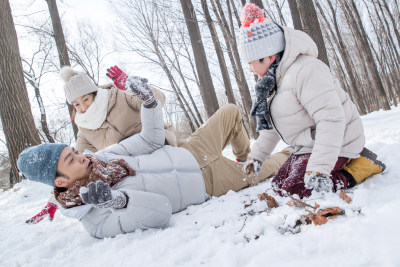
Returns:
(359, 169)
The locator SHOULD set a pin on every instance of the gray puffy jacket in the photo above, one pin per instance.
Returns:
(168, 179)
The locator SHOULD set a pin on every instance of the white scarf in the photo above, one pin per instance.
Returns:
(96, 114)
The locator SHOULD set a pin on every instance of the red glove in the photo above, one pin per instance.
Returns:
(118, 76)
(50, 209)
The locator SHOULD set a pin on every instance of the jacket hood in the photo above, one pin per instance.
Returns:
(297, 43)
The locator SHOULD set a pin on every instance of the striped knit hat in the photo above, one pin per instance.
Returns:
(259, 37)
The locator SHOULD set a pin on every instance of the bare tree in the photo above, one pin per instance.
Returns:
(88, 50)
(228, 30)
(311, 26)
(206, 86)
(220, 54)
(337, 38)
(294, 11)
(279, 10)
(147, 32)
(59, 38)
(16, 116)
(34, 80)
(360, 35)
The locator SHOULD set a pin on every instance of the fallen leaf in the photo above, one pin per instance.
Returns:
(271, 202)
(296, 203)
(319, 219)
(344, 196)
(330, 212)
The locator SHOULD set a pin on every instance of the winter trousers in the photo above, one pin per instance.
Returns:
(290, 178)
(222, 174)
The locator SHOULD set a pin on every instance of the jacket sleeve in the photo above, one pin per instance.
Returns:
(318, 95)
(264, 145)
(151, 138)
(145, 210)
(82, 144)
(135, 104)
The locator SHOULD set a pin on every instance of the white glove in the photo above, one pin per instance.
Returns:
(318, 182)
(252, 166)
(139, 87)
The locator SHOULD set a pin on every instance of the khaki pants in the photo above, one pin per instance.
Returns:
(221, 174)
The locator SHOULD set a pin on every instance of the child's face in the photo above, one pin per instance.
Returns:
(82, 103)
(74, 165)
(261, 68)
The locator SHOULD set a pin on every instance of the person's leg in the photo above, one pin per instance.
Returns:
(228, 175)
(207, 143)
(274, 163)
(224, 127)
(290, 178)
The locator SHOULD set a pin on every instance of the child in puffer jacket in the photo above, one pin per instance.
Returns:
(299, 102)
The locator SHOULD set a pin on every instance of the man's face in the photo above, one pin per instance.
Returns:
(261, 68)
(74, 166)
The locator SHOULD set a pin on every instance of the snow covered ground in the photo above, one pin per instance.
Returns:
(221, 232)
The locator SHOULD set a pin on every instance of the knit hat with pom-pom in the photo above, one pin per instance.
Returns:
(259, 37)
(77, 84)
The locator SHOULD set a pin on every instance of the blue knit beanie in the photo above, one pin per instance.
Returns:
(39, 163)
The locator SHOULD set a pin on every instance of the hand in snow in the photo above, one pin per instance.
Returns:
(50, 209)
(118, 76)
(252, 166)
(141, 89)
(318, 182)
(100, 195)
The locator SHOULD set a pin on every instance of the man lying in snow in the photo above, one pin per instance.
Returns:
(157, 180)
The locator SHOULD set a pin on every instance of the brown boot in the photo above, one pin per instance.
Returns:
(359, 169)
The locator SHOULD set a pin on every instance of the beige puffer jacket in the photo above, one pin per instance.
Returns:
(122, 121)
(309, 110)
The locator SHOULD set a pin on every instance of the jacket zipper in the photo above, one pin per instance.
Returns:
(272, 120)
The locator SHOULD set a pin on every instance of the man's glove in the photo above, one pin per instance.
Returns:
(100, 195)
(50, 210)
(141, 90)
(118, 76)
(252, 166)
(318, 182)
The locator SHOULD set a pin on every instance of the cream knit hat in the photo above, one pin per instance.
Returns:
(259, 37)
(77, 84)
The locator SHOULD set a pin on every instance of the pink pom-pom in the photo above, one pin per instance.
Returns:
(250, 13)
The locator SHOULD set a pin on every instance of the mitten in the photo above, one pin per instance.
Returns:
(141, 90)
(100, 195)
(252, 166)
(50, 210)
(318, 182)
(118, 76)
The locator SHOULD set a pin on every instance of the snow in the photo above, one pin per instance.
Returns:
(221, 232)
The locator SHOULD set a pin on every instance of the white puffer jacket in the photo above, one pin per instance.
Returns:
(309, 110)
(168, 179)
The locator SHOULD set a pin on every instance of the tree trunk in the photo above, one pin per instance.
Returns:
(15, 110)
(278, 8)
(43, 118)
(338, 39)
(206, 86)
(358, 28)
(311, 26)
(220, 54)
(61, 48)
(294, 11)
(394, 25)
(233, 52)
